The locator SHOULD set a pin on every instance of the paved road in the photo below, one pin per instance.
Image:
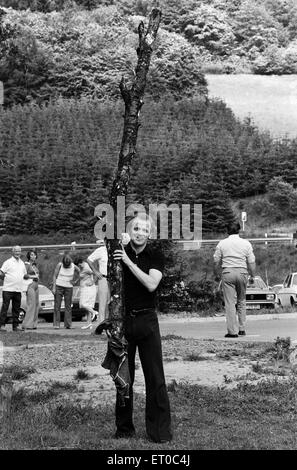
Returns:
(259, 327)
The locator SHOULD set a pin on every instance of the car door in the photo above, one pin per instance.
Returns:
(293, 289)
(285, 292)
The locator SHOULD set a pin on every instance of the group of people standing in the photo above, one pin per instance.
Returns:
(143, 270)
(89, 273)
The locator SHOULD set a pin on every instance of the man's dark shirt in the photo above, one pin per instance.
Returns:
(136, 294)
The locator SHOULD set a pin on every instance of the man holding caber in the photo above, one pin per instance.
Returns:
(142, 269)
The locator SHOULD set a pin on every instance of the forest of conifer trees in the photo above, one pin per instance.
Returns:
(61, 122)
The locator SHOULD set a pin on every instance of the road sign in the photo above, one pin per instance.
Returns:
(243, 218)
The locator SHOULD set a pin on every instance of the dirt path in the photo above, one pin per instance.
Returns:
(99, 386)
(205, 363)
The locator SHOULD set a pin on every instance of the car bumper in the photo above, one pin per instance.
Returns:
(260, 304)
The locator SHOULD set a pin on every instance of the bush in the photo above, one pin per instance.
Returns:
(283, 196)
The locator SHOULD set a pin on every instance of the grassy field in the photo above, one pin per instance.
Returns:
(249, 417)
(268, 100)
(257, 410)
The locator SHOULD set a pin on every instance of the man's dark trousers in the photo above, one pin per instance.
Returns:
(15, 298)
(142, 330)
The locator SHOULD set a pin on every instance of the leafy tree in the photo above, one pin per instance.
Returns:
(24, 66)
(283, 196)
(256, 29)
(209, 27)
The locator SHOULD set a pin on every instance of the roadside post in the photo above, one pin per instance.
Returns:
(244, 219)
(1, 93)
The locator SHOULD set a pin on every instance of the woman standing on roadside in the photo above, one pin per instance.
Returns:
(88, 291)
(31, 317)
(63, 287)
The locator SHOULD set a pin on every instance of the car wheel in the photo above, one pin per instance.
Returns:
(47, 318)
(22, 314)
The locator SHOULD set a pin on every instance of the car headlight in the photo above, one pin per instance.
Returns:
(269, 296)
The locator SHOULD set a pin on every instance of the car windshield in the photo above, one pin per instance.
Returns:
(258, 284)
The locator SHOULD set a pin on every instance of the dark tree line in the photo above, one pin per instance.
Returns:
(60, 161)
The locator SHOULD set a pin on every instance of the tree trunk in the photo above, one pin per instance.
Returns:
(133, 99)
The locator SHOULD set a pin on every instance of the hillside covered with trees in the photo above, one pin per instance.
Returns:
(61, 63)
(75, 48)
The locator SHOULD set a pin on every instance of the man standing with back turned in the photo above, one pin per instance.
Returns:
(143, 267)
(235, 256)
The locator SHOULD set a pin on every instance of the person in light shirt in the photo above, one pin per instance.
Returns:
(235, 256)
(63, 281)
(98, 264)
(13, 271)
(87, 291)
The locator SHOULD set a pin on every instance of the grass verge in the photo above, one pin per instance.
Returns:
(203, 418)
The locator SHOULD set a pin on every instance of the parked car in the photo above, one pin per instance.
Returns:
(46, 303)
(46, 300)
(46, 306)
(22, 310)
(259, 295)
(276, 288)
(287, 295)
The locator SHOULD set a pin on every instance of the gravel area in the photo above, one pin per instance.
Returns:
(203, 362)
(56, 356)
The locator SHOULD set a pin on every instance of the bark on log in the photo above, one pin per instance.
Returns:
(133, 99)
